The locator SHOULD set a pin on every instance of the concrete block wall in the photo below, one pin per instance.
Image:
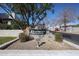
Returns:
(13, 33)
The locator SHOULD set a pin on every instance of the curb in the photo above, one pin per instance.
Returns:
(5, 45)
(72, 44)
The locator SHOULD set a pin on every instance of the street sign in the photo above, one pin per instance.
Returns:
(38, 31)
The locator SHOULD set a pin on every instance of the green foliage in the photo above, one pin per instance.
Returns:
(14, 25)
(5, 26)
(58, 37)
(29, 11)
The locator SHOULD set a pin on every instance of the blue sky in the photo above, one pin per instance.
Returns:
(58, 8)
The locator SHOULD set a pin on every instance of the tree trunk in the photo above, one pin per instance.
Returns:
(28, 22)
(65, 25)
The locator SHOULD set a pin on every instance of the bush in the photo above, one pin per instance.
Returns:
(23, 37)
(5, 26)
(58, 37)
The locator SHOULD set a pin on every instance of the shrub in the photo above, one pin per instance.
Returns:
(5, 26)
(22, 37)
(58, 37)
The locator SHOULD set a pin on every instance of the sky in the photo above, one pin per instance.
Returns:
(58, 8)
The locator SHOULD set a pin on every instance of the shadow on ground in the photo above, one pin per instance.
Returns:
(42, 43)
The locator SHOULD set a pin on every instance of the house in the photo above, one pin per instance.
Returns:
(7, 22)
(5, 18)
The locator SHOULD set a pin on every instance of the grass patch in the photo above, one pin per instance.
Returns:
(6, 39)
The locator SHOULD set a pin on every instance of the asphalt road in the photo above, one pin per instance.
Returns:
(74, 38)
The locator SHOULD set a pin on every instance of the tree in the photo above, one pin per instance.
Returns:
(67, 15)
(29, 12)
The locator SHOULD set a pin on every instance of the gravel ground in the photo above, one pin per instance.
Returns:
(47, 43)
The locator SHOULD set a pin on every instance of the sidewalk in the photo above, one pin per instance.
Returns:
(48, 44)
